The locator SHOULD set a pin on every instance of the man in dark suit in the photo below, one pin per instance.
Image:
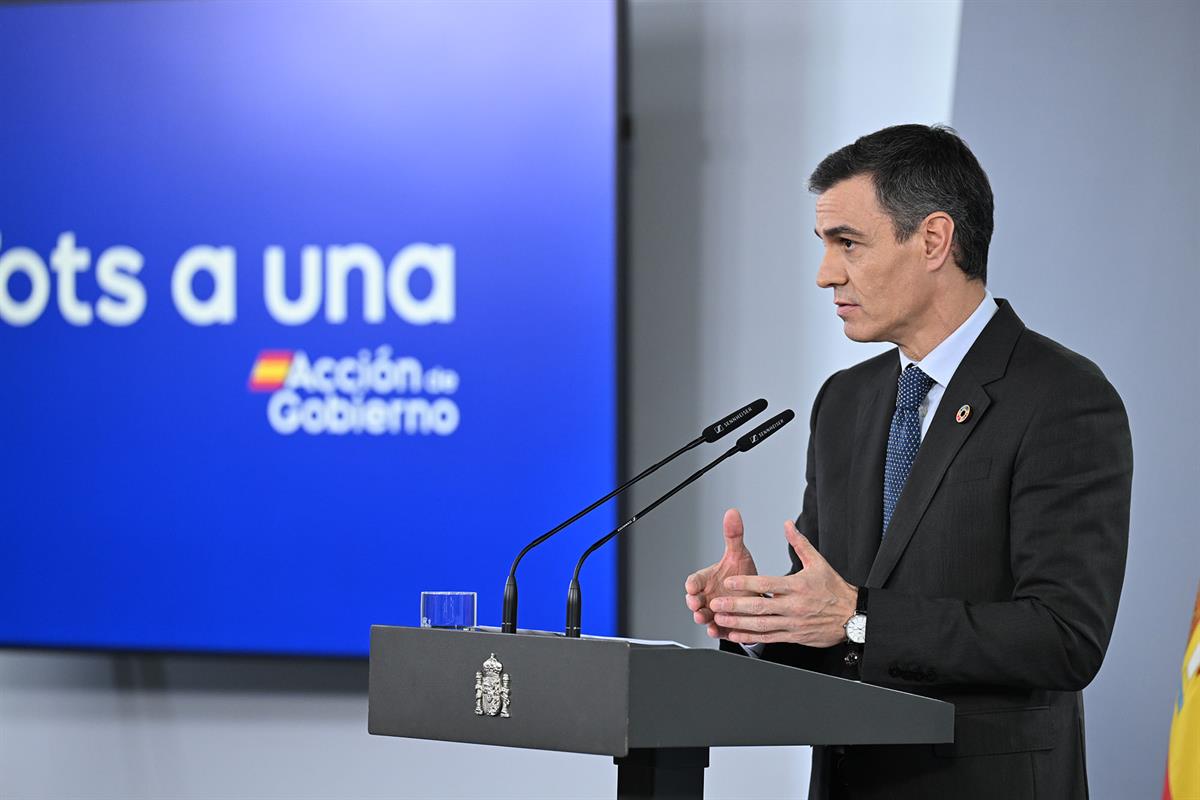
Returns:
(966, 514)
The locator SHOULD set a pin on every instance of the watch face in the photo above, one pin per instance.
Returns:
(856, 629)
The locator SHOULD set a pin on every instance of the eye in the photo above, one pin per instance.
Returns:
(847, 244)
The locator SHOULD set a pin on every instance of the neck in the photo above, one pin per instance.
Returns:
(942, 317)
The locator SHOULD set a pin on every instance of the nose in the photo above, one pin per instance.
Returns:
(830, 273)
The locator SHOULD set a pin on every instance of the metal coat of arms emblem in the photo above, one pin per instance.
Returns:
(491, 689)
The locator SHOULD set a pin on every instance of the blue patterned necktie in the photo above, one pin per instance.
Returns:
(904, 437)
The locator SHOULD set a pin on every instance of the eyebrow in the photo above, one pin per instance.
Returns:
(839, 230)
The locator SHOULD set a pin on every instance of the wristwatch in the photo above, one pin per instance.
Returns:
(856, 626)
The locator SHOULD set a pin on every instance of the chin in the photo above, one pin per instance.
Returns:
(859, 333)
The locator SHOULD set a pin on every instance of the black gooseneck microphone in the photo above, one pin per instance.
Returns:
(710, 434)
(755, 437)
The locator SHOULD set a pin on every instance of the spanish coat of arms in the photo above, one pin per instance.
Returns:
(491, 689)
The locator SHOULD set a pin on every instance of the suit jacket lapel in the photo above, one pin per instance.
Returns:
(986, 361)
(866, 474)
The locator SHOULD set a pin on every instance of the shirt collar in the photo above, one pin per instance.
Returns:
(941, 362)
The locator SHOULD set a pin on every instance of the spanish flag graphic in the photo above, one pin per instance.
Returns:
(1183, 755)
(270, 370)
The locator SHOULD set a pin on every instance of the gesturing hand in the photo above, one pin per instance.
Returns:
(703, 587)
(809, 607)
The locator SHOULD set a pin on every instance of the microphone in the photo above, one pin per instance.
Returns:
(710, 434)
(747, 442)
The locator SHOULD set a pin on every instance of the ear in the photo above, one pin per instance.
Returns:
(937, 237)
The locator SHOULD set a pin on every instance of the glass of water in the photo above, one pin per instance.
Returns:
(448, 610)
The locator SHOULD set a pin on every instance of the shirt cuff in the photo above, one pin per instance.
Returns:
(754, 650)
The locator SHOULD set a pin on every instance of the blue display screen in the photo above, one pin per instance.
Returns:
(304, 308)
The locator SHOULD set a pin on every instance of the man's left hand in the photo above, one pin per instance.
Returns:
(809, 607)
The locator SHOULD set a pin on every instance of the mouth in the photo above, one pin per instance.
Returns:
(845, 308)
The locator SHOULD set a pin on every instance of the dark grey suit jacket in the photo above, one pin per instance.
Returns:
(996, 585)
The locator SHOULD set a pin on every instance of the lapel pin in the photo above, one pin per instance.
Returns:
(964, 413)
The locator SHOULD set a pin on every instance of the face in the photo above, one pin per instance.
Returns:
(880, 286)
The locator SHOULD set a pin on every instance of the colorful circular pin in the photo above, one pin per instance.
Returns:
(964, 413)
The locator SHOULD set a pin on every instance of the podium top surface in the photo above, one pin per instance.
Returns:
(607, 696)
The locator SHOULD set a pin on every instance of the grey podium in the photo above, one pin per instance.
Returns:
(651, 707)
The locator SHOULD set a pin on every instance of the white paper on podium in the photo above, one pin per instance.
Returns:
(650, 642)
(644, 642)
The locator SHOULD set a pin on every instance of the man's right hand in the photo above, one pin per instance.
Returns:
(709, 583)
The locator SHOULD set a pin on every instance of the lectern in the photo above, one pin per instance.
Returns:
(655, 708)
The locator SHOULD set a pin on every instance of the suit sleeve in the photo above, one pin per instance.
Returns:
(808, 524)
(1068, 535)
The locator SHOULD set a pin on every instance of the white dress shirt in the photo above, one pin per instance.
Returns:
(940, 364)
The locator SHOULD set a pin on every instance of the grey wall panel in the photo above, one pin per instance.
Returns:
(1085, 116)
(734, 103)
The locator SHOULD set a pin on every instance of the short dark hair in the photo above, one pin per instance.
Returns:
(917, 170)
